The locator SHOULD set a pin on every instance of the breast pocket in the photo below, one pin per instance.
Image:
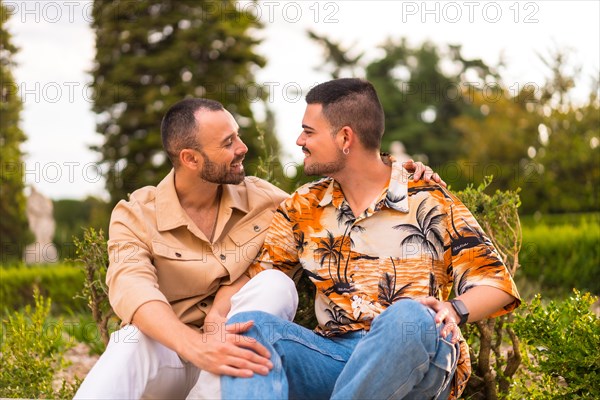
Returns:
(184, 273)
(246, 240)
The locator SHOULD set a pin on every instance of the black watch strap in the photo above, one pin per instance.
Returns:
(461, 310)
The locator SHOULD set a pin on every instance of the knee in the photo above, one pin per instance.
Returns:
(279, 286)
(270, 291)
(410, 318)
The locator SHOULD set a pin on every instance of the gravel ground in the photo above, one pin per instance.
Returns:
(80, 364)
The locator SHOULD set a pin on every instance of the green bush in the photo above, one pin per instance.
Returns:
(561, 256)
(83, 329)
(93, 258)
(563, 343)
(30, 352)
(60, 283)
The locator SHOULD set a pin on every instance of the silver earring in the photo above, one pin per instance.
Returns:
(346, 151)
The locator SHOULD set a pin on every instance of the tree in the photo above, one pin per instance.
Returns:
(73, 217)
(13, 224)
(338, 61)
(496, 137)
(419, 98)
(537, 139)
(152, 53)
(569, 150)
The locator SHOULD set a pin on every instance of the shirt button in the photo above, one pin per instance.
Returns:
(203, 304)
(256, 228)
(178, 254)
(223, 257)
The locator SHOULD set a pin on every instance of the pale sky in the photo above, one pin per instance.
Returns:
(57, 48)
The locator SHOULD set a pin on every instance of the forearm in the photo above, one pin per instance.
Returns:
(482, 301)
(157, 320)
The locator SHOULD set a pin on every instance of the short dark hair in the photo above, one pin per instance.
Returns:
(351, 102)
(179, 126)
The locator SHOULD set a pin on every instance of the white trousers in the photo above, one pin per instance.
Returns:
(135, 366)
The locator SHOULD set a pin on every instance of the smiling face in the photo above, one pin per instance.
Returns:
(221, 148)
(322, 156)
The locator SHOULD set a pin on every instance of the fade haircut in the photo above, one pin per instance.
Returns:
(351, 102)
(179, 126)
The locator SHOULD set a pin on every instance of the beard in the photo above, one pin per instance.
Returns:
(326, 169)
(221, 173)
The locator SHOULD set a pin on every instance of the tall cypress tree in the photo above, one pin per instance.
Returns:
(13, 223)
(153, 53)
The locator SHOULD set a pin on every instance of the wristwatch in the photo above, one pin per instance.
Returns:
(461, 310)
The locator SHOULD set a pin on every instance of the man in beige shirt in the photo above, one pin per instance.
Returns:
(178, 253)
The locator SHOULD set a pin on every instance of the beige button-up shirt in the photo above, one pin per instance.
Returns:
(156, 252)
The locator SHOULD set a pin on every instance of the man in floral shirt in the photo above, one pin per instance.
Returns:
(383, 252)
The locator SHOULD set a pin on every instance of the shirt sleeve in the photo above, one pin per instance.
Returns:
(131, 277)
(280, 249)
(475, 260)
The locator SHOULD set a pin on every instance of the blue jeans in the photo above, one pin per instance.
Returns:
(401, 357)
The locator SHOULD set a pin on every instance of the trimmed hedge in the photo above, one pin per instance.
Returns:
(60, 283)
(563, 256)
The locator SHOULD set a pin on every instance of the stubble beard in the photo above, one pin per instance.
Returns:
(326, 169)
(221, 173)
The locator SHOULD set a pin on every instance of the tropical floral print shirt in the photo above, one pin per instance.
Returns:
(414, 240)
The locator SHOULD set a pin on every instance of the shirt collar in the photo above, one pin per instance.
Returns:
(231, 198)
(394, 196)
(170, 214)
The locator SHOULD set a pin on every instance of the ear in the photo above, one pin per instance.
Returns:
(345, 137)
(189, 158)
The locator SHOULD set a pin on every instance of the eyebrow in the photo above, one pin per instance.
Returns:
(307, 127)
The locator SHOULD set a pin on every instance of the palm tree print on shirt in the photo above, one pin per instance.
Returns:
(427, 233)
(387, 288)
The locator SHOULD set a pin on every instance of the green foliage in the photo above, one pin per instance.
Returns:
(13, 224)
(470, 123)
(570, 160)
(496, 135)
(498, 216)
(537, 139)
(83, 329)
(420, 100)
(30, 353)
(91, 252)
(494, 347)
(563, 256)
(153, 53)
(59, 282)
(72, 216)
(562, 339)
(305, 315)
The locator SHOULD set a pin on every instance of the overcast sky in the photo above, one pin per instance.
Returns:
(57, 47)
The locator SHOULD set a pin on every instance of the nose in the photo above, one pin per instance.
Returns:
(301, 140)
(242, 148)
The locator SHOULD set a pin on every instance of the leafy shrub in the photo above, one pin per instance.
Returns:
(91, 252)
(30, 352)
(83, 328)
(563, 341)
(59, 282)
(494, 347)
(561, 256)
